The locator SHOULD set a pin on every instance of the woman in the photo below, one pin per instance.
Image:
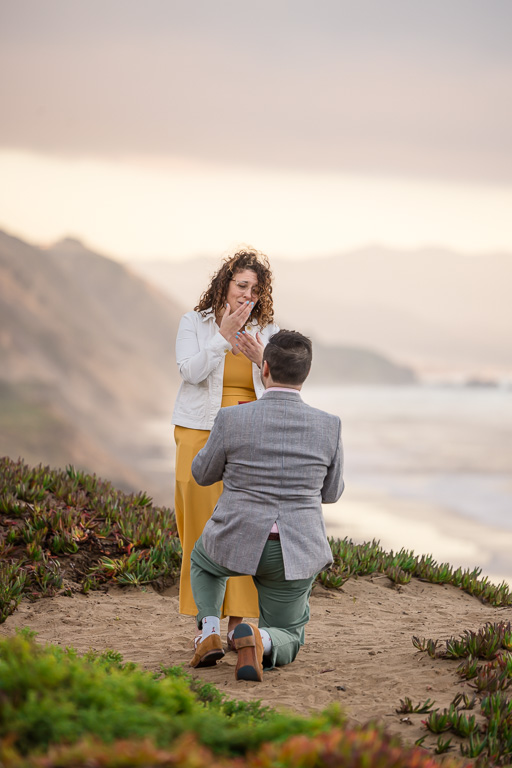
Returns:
(219, 350)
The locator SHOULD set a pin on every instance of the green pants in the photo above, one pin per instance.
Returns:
(284, 605)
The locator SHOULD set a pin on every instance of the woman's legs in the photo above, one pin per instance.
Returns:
(193, 507)
(234, 621)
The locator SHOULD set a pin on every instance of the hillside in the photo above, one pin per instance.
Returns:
(334, 365)
(86, 362)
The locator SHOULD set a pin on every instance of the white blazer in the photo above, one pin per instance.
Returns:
(200, 354)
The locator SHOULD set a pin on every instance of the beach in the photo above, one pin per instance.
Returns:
(426, 468)
(423, 527)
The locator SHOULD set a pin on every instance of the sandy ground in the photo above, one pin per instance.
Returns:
(358, 650)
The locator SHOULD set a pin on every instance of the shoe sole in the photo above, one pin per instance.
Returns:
(211, 658)
(247, 667)
(248, 673)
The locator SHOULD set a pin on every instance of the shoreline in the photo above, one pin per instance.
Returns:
(427, 529)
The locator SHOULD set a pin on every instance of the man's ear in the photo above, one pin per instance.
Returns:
(265, 370)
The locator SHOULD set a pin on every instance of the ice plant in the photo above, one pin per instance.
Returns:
(406, 706)
(439, 722)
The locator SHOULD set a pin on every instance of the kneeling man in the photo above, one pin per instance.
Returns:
(279, 459)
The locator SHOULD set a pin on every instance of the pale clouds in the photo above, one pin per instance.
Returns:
(418, 90)
(171, 209)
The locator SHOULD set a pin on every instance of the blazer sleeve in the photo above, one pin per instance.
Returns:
(196, 362)
(333, 482)
(208, 465)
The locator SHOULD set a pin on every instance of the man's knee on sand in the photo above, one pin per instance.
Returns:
(285, 648)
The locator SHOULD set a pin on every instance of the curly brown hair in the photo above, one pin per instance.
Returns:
(215, 294)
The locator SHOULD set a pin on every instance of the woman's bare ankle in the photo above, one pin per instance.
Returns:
(234, 621)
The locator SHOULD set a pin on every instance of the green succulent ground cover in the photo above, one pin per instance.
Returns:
(363, 559)
(64, 530)
(59, 709)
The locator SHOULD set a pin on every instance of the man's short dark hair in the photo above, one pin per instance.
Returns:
(289, 355)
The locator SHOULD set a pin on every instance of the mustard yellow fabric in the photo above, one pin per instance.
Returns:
(194, 504)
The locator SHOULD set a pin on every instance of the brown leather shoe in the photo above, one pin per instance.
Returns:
(249, 646)
(208, 652)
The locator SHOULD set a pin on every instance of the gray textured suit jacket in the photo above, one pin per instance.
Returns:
(279, 460)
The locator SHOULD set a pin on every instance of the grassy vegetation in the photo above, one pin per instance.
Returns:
(52, 696)
(58, 709)
(63, 531)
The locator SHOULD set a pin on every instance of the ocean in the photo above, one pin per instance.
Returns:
(426, 468)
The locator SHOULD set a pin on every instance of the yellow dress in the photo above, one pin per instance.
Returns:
(194, 504)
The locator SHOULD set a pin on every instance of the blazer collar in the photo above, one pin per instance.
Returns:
(273, 394)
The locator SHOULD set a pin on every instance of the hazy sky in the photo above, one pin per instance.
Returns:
(162, 128)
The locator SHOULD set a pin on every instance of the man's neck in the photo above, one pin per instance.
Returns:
(269, 384)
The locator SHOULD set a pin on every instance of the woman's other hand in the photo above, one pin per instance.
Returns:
(231, 322)
(252, 347)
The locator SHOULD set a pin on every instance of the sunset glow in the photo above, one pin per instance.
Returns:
(130, 208)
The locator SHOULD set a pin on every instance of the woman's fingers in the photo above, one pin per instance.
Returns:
(250, 346)
(237, 315)
(232, 321)
(244, 310)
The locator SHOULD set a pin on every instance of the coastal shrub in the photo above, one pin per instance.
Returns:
(468, 669)
(52, 696)
(12, 584)
(407, 707)
(489, 642)
(62, 711)
(442, 745)
(438, 722)
(358, 747)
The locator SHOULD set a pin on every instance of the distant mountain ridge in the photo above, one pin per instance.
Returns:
(429, 309)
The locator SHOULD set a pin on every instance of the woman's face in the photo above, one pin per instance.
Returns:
(242, 287)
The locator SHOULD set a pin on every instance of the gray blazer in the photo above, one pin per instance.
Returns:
(279, 460)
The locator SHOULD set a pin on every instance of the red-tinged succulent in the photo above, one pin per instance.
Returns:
(468, 669)
(406, 706)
